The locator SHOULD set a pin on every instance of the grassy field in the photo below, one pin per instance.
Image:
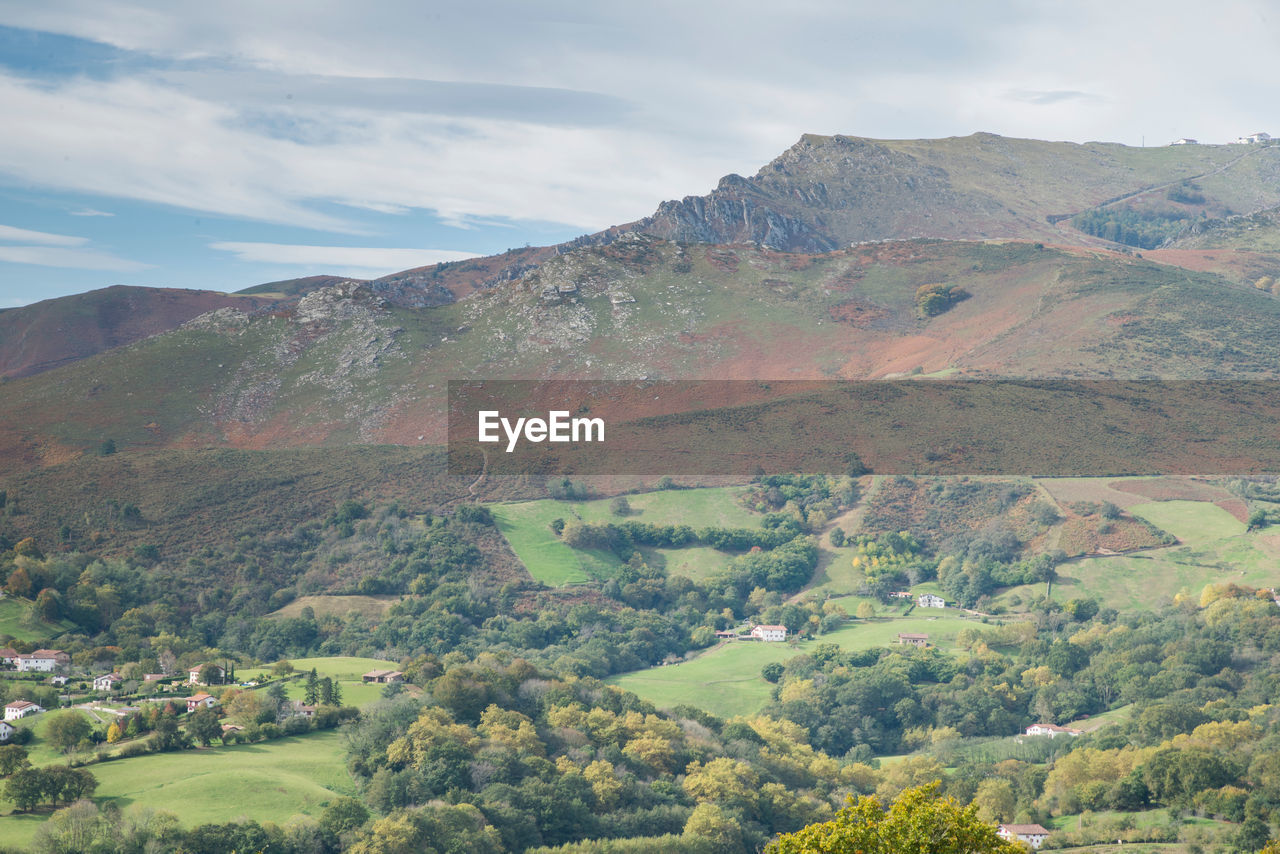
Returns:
(1192, 522)
(39, 751)
(1214, 548)
(941, 625)
(15, 622)
(527, 527)
(345, 669)
(338, 606)
(725, 681)
(271, 781)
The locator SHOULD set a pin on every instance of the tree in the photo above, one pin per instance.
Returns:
(335, 693)
(19, 583)
(326, 691)
(838, 536)
(312, 694)
(113, 733)
(204, 726)
(210, 674)
(620, 506)
(342, 815)
(12, 757)
(67, 729)
(865, 611)
(917, 822)
(25, 788)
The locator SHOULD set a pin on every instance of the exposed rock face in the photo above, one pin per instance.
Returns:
(342, 301)
(827, 192)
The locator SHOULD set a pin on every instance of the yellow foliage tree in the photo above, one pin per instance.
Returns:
(113, 733)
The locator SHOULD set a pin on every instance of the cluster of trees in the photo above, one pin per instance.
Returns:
(1145, 229)
(547, 761)
(935, 299)
(27, 787)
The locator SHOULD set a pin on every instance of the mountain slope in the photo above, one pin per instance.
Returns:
(826, 192)
(344, 365)
(46, 334)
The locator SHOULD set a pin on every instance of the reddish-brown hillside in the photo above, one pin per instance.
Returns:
(53, 332)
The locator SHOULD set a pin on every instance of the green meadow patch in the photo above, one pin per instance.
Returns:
(271, 781)
(17, 621)
(1192, 522)
(527, 528)
(725, 680)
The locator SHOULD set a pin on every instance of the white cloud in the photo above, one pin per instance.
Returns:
(590, 114)
(21, 235)
(73, 258)
(357, 261)
(90, 212)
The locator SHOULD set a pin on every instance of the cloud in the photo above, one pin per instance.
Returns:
(90, 212)
(371, 262)
(1057, 96)
(21, 235)
(582, 114)
(74, 258)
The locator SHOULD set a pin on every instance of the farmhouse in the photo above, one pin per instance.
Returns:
(770, 634)
(383, 676)
(195, 701)
(1184, 141)
(107, 681)
(928, 600)
(912, 639)
(6, 732)
(1254, 138)
(727, 634)
(304, 711)
(1051, 730)
(1032, 834)
(194, 673)
(900, 594)
(19, 709)
(43, 661)
(9, 656)
(59, 679)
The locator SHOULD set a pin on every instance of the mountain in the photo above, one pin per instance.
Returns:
(829, 191)
(699, 290)
(53, 332)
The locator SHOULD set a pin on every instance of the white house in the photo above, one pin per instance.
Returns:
(1184, 141)
(195, 701)
(1032, 834)
(913, 639)
(1254, 138)
(928, 600)
(770, 633)
(106, 682)
(6, 732)
(43, 661)
(193, 675)
(19, 709)
(9, 656)
(1051, 730)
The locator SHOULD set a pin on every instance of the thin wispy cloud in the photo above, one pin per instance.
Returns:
(73, 258)
(1055, 96)
(90, 212)
(10, 234)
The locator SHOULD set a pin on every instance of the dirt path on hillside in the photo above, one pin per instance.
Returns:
(850, 520)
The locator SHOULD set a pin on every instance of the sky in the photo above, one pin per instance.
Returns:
(222, 145)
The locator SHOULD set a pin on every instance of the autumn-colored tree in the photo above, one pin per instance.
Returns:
(917, 822)
(19, 583)
(113, 733)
